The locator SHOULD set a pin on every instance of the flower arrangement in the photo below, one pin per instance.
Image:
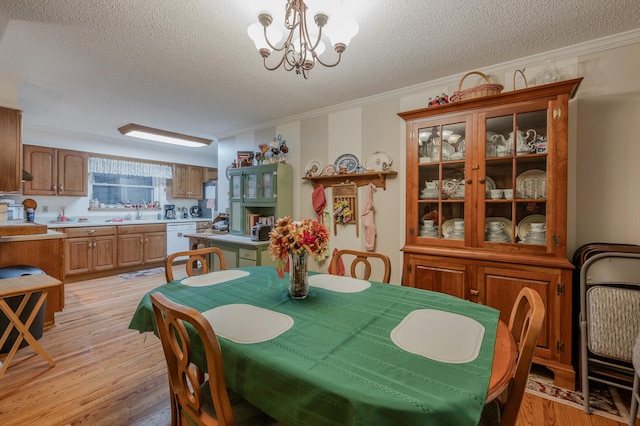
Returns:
(342, 212)
(298, 237)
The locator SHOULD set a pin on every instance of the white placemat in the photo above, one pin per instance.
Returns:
(439, 335)
(212, 278)
(242, 323)
(338, 283)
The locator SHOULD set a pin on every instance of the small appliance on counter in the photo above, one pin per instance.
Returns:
(260, 232)
(195, 211)
(185, 213)
(169, 211)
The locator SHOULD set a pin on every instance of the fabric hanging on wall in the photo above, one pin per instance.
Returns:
(130, 168)
(319, 201)
(368, 220)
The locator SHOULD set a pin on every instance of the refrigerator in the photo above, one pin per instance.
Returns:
(209, 204)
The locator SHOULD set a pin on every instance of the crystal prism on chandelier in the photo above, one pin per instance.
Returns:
(303, 45)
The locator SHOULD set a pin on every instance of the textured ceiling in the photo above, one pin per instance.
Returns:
(91, 66)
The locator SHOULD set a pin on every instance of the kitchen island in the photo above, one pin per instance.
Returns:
(44, 251)
(239, 251)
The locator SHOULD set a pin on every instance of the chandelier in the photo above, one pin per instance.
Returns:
(302, 47)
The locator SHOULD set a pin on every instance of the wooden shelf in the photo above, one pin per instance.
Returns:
(379, 179)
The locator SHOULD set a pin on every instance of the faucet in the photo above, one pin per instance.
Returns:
(139, 212)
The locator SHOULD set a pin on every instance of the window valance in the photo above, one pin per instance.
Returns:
(131, 168)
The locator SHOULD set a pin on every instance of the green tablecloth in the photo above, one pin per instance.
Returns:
(337, 365)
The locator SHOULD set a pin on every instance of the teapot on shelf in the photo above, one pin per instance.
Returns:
(525, 141)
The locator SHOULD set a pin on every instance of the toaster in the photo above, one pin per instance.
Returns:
(260, 232)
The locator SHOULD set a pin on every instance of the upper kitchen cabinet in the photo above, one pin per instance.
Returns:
(187, 182)
(11, 146)
(210, 174)
(55, 171)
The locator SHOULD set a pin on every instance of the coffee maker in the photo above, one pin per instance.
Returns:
(169, 211)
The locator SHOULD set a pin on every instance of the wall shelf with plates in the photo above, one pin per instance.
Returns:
(496, 166)
(361, 179)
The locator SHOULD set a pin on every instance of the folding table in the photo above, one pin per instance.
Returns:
(29, 286)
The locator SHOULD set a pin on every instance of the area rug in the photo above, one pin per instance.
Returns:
(143, 273)
(604, 400)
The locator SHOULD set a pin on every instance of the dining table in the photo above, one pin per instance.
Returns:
(353, 352)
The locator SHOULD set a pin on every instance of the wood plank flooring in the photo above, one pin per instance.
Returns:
(106, 374)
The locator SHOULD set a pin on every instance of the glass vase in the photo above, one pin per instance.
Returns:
(298, 276)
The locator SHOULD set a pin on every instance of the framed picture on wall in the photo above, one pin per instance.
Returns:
(245, 158)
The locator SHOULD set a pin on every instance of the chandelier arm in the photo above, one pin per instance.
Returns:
(275, 67)
(266, 38)
(330, 65)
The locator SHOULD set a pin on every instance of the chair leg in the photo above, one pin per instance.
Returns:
(633, 412)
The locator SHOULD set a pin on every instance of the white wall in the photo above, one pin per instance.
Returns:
(604, 148)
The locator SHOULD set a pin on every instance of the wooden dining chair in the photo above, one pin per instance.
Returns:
(361, 257)
(201, 256)
(525, 324)
(194, 400)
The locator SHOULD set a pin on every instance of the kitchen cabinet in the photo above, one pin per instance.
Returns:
(55, 171)
(240, 251)
(90, 249)
(141, 244)
(259, 192)
(44, 253)
(187, 182)
(210, 174)
(486, 202)
(11, 147)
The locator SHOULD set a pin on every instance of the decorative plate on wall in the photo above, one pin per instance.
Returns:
(347, 161)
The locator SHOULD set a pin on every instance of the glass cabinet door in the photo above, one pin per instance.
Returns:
(236, 186)
(441, 181)
(268, 188)
(515, 199)
(251, 186)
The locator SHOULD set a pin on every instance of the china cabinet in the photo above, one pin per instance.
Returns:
(55, 171)
(256, 192)
(11, 147)
(487, 206)
(187, 182)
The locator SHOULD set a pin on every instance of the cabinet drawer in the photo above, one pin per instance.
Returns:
(89, 231)
(247, 254)
(137, 229)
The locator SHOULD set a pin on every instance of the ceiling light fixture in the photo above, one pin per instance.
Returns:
(157, 135)
(303, 46)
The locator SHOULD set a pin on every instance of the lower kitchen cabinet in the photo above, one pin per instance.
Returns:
(141, 244)
(90, 249)
(496, 284)
(240, 251)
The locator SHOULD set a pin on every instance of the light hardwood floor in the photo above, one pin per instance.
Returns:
(106, 374)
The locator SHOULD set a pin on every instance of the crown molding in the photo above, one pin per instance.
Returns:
(561, 54)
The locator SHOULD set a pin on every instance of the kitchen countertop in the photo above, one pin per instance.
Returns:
(32, 237)
(98, 222)
(238, 239)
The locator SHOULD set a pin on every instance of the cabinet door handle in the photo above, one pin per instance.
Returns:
(474, 292)
(141, 241)
(61, 188)
(91, 231)
(482, 180)
(146, 241)
(94, 245)
(468, 181)
(54, 187)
